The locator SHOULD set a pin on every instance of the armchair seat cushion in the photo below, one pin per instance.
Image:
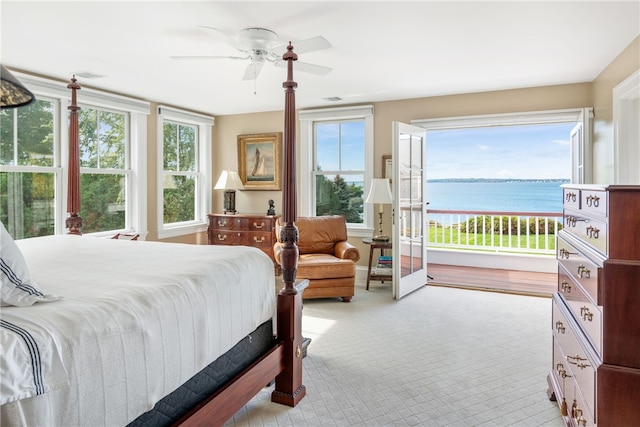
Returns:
(323, 266)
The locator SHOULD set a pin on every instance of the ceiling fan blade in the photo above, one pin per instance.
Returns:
(208, 57)
(306, 67)
(307, 45)
(253, 70)
(216, 32)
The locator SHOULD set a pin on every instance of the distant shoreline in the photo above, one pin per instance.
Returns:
(499, 180)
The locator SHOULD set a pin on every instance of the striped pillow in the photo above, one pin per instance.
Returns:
(16, 287)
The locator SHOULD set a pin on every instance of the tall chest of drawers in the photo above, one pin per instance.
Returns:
(595, 372)
(247, 230)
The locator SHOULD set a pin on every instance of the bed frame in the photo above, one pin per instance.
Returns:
(282, 362)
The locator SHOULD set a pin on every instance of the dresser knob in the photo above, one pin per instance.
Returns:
(562, 372)
(584, 272)
(586, 314)
(560, 327)
(593, 232)
(578, 361)
(258, 239)
(570, 197)
(593, 201)
(222, 223)
(565, 287)
(222, 237)
(256, 225)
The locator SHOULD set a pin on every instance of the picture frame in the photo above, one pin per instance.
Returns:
(260, 161)
(387, 167)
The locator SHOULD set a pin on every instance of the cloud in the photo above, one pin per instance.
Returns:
(505, 174)
(483, 147)
(561, 142)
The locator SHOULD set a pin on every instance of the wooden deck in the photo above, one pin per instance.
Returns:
(496, 280)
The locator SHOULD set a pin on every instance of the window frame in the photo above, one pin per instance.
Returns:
(204, 126)
(306, 197)
(137, 112)
(581, 157)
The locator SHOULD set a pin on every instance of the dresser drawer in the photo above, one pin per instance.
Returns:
(221, 222)
(594, 202)
(579, 361)
(592, 231)
(258, 239)
(584, 271)
(568, 389)
(586, 313)
(571, 197)
(222, 237)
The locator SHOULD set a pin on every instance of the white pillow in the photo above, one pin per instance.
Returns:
(16, 287)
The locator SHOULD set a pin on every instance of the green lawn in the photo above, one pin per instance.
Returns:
(488, 241)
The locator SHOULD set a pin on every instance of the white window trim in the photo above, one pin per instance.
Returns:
(575, 115)
(138, 111)
(305, 159)
(203, 195)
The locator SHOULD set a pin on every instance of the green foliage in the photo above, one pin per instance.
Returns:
(339, 198)
(179, 200)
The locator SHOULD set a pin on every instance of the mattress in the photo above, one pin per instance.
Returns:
(135, 321)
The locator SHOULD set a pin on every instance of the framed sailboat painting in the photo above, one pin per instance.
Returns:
(260, 161)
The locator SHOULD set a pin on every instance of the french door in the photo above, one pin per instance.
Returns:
(409, 209)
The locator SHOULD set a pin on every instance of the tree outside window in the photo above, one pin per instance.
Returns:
(180, 142)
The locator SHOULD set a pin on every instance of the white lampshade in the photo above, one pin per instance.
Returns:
(229, 180)
(380, 192)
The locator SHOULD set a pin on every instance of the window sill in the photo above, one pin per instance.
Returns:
(181, 230)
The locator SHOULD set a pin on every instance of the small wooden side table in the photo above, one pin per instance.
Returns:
(373, 245)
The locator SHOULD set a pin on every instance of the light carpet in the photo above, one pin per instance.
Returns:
(439, 357)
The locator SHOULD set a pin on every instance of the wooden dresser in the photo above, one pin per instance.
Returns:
(596, 310)
(248, 230)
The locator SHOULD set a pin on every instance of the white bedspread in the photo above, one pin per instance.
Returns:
(136, 320)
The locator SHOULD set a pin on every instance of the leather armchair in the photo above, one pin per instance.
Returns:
(327, 259)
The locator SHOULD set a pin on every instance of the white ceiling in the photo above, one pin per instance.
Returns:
(382, 50)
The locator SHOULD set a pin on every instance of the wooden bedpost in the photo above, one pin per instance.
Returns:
(74, 221)
(289, 388)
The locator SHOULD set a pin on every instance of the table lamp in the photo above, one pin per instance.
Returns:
(229, 181)
(380, 192)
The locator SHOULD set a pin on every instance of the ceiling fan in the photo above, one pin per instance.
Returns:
(260, 45)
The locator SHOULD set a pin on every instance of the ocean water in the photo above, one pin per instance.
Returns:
(516, 196)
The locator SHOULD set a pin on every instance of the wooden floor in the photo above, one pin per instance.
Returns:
(490, 279)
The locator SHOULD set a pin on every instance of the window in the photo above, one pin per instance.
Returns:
(185, 169)
(28, 175)
(104, 169)
(33, 162)
(517, 127)
(338, 163)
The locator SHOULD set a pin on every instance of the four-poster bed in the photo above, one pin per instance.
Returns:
(161, 286)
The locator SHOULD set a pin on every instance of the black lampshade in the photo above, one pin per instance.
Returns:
(12, 92)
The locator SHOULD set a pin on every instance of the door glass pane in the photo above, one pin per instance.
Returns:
(27, 203)
(103, 202)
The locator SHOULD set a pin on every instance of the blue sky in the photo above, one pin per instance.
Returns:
(528, 151)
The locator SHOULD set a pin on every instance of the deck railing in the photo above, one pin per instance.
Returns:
(521, 232)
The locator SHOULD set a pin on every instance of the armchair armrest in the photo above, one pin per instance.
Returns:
(346, 250)
(277, 250)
